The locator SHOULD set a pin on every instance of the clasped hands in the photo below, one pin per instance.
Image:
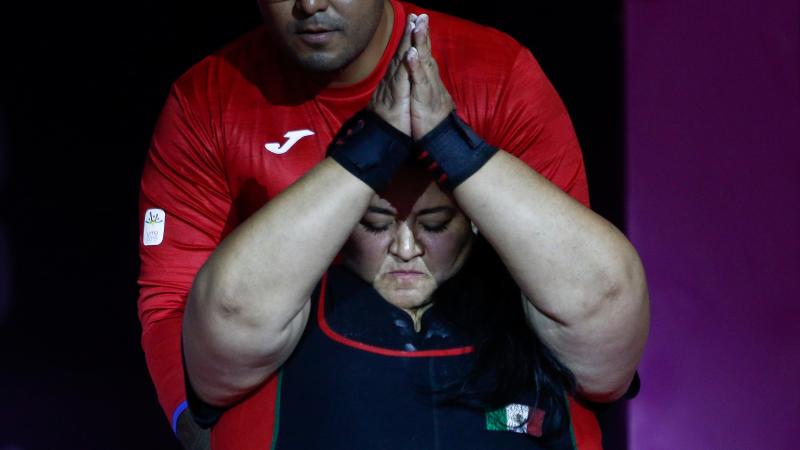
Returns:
(410, 108)
(411, 97)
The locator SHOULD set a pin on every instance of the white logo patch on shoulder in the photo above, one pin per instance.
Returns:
(153, 232)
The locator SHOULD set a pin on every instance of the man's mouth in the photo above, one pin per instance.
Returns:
(314, 30)
(316, 36)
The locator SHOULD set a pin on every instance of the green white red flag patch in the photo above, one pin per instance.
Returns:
(516, 418)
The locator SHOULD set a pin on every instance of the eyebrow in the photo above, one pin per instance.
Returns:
(379, 210)
(389, 212)
(435, 210)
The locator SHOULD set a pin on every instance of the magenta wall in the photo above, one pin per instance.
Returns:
(713, 205)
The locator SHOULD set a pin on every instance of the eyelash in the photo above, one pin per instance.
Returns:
(373, 229)
(435, 229)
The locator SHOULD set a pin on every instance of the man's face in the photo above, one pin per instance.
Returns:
(322, 35)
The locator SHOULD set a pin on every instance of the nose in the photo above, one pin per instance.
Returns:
(405, 246)
(311, 7)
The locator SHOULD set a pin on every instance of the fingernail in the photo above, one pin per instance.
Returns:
(422, 21)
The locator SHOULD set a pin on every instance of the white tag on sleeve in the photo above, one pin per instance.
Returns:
(153, 226)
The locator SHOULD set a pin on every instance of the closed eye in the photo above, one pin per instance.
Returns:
(375, 228)
(435, 228)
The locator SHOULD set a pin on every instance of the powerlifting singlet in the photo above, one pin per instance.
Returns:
(361, 378)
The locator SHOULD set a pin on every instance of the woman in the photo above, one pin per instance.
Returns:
(421, 320)
(419, 342)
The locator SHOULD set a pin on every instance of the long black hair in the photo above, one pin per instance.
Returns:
(484, 301)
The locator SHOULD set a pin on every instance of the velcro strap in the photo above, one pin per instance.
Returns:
(370, 148)
(453, 151)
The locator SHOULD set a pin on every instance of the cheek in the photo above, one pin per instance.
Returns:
(360, 21)
(445, 254)
(279, 21)
(272, 15)
(365, 252)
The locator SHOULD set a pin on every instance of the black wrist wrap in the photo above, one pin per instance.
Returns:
(370, 148)
(453, 152)
(202, 413)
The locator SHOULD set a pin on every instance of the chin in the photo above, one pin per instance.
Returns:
(409, 299)
(325, 60)
(320, 63)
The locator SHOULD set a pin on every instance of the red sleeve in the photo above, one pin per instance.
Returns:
(533, 125)
(184, 205)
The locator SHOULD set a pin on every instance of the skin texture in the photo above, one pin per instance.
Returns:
(337, 41)
(430, 103)
(412, 96)
(391, 99)
(406, 257)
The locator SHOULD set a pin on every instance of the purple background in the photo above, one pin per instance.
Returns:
(713, 163)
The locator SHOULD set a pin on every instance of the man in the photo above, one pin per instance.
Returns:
(247, 122)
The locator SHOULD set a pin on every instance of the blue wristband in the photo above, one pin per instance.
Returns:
(453, 152)
(370, 148)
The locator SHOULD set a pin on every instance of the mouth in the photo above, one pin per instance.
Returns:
(406, 275)
(313, 29)
(315, 36)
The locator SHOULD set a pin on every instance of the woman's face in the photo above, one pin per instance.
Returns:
(406, 252)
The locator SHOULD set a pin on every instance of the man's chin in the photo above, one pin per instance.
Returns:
(321, 63)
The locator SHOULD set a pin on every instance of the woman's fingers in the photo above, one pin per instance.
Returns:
(416, 71)
(420, 38)
(405, 43)
(391, 98)
(400, 84)
(417, 60)
(430, 101)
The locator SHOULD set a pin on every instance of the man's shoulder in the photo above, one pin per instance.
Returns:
(241, 58)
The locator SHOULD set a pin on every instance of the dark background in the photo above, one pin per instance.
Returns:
(80, 89)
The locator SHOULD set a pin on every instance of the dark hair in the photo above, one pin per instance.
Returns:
(483, 301)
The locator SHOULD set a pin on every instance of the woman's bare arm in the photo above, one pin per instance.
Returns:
(250, 301)
(585, 284)
(584, 281)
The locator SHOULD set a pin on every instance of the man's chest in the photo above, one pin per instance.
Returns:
(266, 147)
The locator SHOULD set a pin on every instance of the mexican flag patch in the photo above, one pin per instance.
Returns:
(516, 418)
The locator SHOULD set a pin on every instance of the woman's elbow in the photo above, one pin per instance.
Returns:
(607, 392)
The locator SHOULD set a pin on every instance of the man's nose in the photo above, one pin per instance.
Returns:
(310, 7)
(405, 245)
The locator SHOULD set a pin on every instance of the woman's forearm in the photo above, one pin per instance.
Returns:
(581, 275)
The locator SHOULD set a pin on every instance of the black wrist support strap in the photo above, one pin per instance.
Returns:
(453, 152)
(201, 412)
(370, 148)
